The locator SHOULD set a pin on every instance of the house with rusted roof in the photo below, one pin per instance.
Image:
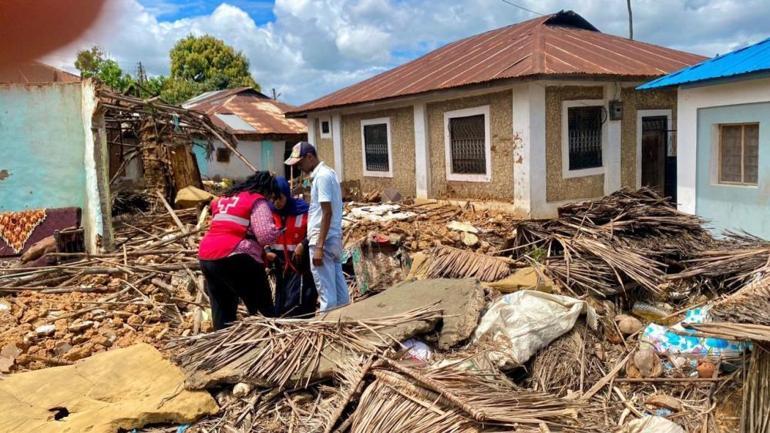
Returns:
(265, 135)
(535, 114)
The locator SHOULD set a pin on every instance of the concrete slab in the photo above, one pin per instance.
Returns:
(118, 390)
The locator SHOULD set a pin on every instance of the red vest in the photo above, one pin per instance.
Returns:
(229, 225)
(296, 230)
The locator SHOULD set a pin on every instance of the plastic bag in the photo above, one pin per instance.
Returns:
(524, 322)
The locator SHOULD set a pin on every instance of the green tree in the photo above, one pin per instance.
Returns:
(203, 63)
(93, 63)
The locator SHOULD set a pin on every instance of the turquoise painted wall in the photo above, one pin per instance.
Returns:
(42, 147)
(733, 207)
(199, 150)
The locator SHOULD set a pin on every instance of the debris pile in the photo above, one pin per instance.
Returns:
(623, 241)
(148, 290)
(620, 315)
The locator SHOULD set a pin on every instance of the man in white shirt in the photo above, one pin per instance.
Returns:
(324, 227)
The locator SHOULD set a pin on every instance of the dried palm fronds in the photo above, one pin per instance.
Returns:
(750, 304)
(625, 240)
(756, 405)
(278, 351)
(449, 262)
(569, 363)
(732, 331)
(730, 264)
(429, 400)
(270, 411)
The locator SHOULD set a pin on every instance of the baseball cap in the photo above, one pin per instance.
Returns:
(299, 150)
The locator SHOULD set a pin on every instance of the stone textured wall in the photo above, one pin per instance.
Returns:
(402, 146)
(558, 188)
(501, 185)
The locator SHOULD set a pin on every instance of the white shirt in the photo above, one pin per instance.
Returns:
(324, 189)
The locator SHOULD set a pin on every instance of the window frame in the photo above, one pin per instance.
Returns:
(566, 173)
(717, 154)
(223, 155)
(321, 121)
(461, 177)
(377, 121)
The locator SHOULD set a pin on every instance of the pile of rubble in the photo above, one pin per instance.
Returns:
(150, 289)
(620, 315)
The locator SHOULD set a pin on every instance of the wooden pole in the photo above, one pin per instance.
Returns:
(630, 21)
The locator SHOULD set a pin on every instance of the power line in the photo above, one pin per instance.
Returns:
(522, 7)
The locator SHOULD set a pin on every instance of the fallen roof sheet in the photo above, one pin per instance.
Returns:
(245, 111)
(752, 59)
(557, 45)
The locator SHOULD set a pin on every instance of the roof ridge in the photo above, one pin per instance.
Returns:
(502, 53)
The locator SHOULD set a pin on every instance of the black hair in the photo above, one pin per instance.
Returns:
(261, 182)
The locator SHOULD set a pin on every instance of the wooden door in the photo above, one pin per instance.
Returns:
(654, 138)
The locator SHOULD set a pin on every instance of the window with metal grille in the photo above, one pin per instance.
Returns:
(326, 127)
(467, 136)
(739, 154)
(376, 147)
(223, 155)
(585, 137)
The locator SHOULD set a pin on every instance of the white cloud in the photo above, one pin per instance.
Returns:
(317, 46)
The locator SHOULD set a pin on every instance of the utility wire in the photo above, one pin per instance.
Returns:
(522, 7)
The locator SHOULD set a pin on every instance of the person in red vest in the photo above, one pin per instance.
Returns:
(231, 253)
(295, 293)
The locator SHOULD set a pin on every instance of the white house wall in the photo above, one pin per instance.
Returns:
(690, 100)
(700, 110)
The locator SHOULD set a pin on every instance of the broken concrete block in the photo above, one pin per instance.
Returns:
(462, 227)
(119, 390)
(391, 195)
(45, 330)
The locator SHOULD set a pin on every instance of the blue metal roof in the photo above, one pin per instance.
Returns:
(748, 60)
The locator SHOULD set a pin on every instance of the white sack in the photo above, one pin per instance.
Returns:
(524, 322)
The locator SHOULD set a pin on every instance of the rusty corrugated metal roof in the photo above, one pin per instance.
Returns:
(263, 114)
(558, 45)
(34, 73)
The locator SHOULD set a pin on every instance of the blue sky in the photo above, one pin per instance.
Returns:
(308, 48)
(171, 10)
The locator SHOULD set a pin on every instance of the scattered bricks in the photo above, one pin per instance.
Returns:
(101, 340)
(80, 326)
(61, 325)
(134, 320)
(79, 339)
(62, 348)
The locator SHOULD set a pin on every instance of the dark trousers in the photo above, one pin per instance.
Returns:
(233, 278)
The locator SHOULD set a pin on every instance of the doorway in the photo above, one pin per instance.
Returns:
(657, 152)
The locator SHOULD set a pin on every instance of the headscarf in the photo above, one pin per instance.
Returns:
(294, 206)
